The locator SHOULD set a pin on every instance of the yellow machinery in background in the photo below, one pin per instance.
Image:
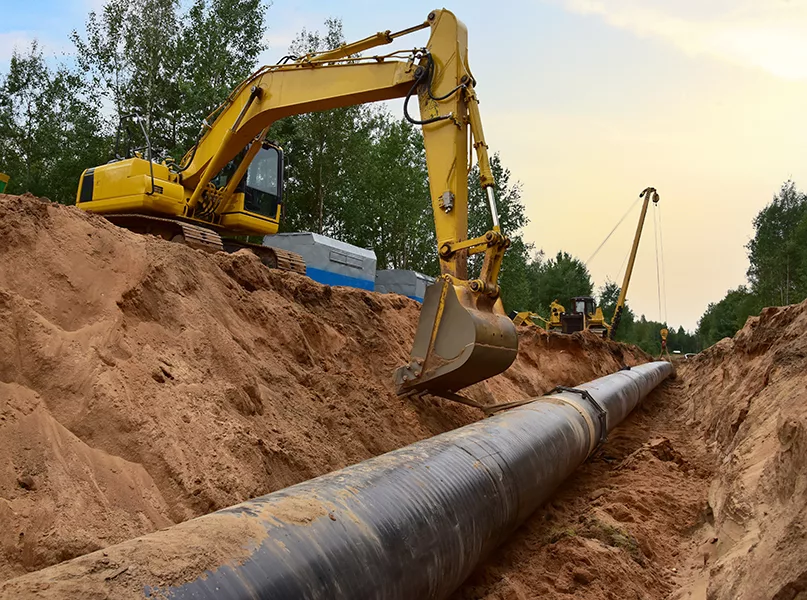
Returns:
(585, 315)
(529, 318)
(664, 351)
(3, 182)
(230, 183)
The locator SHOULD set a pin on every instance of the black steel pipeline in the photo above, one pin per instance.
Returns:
(412, 523)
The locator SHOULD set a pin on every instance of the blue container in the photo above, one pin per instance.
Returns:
(401, 281)
(328, 260)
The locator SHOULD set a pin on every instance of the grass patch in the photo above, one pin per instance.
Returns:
(557, 535)
(614, 537)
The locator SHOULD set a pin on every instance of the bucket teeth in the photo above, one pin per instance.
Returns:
(457, 345)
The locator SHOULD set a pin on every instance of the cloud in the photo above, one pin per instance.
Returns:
(766, 34)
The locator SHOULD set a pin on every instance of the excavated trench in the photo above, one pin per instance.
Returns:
(143, 383)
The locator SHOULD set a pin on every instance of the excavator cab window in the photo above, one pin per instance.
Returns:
(264, 182)
(262, 186)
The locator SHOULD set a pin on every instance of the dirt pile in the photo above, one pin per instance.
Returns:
(143, 383)
(700, 494)
(619, 527)
(748, 397)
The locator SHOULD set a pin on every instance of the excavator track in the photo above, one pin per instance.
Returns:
(202, 238)
(274, 258)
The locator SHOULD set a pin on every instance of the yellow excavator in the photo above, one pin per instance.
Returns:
(230, 183)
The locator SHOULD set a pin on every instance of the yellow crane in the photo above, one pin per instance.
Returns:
(647, 194)
(585, 315)
(230, 183)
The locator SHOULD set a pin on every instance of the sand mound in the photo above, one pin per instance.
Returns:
(748, 396)
(700, 494)
(143, 383)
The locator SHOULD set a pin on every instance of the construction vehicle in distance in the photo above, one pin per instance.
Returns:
(585, 314)
(3, 182)
(464, 335)
(528, 318)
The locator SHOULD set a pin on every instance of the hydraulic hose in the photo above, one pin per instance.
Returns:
(412, 523)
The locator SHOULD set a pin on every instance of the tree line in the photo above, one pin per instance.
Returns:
(358, 173)
(777, 271)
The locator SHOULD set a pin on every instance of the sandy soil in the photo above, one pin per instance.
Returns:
(747, 396)
(700, 494)
(143, 383)
(614, 529)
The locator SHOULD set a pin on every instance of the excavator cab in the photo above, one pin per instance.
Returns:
(259, 193)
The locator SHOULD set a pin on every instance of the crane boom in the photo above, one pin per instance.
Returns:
(648, 194)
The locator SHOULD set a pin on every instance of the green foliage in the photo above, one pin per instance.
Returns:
(389, 199)
(608, 297)
(778, 253)
(513, 278)
(560, 278)
(217, 47)
(777, 272)
(172, 67)
(48, 131)
(725, 318)
(144, 56)
(323, 150)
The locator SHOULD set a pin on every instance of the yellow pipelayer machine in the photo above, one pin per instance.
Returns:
(230, 183)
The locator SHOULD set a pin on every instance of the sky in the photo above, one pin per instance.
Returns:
(590, 101)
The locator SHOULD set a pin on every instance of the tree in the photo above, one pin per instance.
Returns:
(48, 131)
(560, 278)
(389, 208)
(609, 296)
(323, 149)
(777, 254)
(171, 68)
(219, 45)
(725, 318)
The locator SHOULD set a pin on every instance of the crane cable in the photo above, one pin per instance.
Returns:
(607, 237)
(663, 270)
(661, 283)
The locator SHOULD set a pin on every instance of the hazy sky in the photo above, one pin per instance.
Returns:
(589, 102)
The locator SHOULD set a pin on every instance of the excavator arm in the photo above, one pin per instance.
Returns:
(464, 335)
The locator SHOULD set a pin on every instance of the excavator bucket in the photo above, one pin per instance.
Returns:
(457, 344)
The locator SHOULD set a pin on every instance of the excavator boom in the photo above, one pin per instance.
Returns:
(464, 335)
